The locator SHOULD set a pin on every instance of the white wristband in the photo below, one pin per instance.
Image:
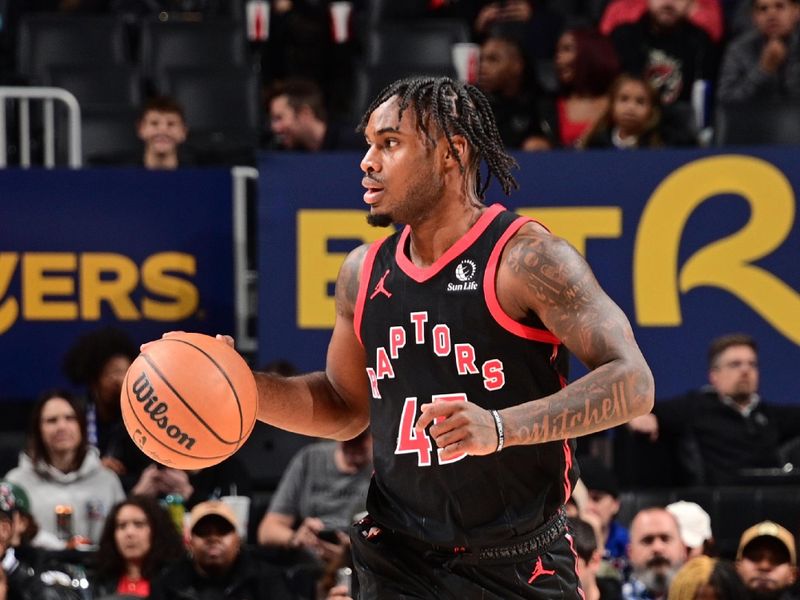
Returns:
(498, 423)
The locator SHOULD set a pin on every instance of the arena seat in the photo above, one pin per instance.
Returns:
(45, 40)
(221, 104)
(424, 44)
(98, 86)
(175, 44)
(757, 123)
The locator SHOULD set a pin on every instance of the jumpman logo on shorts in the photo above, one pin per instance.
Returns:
(380, 289)
(539, 570)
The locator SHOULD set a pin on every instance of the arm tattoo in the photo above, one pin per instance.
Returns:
(557, 284)
(348, 281)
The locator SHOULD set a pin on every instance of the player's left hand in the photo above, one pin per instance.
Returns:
(459, 427)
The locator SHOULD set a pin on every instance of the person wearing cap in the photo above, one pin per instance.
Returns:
(18, 580)
(695, 527)
(601, 508)
(655, 554)
(767, 560)
(219, 567)
(27, 533)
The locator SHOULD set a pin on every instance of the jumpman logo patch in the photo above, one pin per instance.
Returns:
(539, 570)
(380, 288)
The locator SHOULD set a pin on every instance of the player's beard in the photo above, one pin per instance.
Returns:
(424, 191)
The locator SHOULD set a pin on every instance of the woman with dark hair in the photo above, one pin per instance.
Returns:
(63, 473)
(586, 64)
(138, 541)
(632, 119)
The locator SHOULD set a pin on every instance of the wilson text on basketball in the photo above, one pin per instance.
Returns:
(157, 411)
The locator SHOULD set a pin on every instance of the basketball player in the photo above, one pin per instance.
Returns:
(451, 339)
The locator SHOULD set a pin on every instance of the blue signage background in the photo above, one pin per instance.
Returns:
(676, 353)
(128, 212)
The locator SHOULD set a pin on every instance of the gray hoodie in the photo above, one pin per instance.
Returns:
(91, 485)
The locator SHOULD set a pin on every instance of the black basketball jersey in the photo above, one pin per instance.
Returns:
(439, 334)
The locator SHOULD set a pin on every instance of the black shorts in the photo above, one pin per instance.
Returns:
(392, 566)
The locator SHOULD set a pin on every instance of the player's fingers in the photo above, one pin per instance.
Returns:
(146, 345)
(433, 411)
(227, 339)
(449, 438)
(454, 450)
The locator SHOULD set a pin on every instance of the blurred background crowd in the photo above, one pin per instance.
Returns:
(687, 502)
(572, 75)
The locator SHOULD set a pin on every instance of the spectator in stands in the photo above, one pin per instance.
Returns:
(60, 468)
(229, 477)
(588, 562)
(535, 25)
(695, 526)
(510, 87)
(586, 65)
(767, 560)
(632, 119)
(322, 490)
(674, 55)
(18, 581)
(299, 120)
(656, 552)
(139, 540)
(725, 427)
(219, 567)
(98, 361)
(27, 533)
(763, 64)
(665, 47)
(708, 578)
(706, 14)
(162, 127)
(603, 505)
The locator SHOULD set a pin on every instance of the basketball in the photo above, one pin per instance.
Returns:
(189, 401)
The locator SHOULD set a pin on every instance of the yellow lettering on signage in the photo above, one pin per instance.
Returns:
(726, 263)
(39, 283)
(160, 276)
(9, 307)
(111, 278)
(576, 224)
(316, 267)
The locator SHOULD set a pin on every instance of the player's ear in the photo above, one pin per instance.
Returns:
(461, 146)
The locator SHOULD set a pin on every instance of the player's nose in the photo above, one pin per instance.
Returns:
(370, 163)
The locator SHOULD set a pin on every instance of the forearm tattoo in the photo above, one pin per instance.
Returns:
(560, 287)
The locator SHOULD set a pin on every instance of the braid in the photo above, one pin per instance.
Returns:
(456, 109)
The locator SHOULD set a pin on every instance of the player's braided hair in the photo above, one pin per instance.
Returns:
(457, 109)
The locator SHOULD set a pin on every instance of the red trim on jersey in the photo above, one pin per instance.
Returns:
(423, 274)
(363, 287)
(490, 291)
(567, 468)
(571, 541)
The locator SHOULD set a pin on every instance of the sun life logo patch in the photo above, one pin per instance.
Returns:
(465, 273)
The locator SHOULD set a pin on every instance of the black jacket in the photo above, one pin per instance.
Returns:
(716, 442)
(250, 579)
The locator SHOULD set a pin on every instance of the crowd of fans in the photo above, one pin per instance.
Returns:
(614, 74)
(87, 515)
(80, 518)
